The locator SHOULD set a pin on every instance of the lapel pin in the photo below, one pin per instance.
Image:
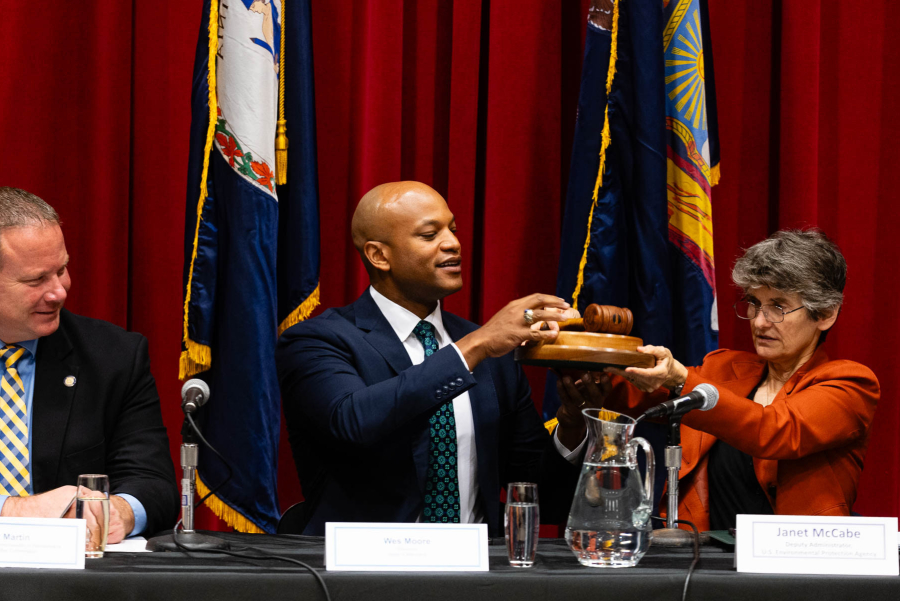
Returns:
(69, 381)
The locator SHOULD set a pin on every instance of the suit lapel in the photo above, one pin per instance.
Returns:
(51, 405)
(380, 334)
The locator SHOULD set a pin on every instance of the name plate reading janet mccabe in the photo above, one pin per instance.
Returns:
(42, 543)
(792, 544)
(364, 546)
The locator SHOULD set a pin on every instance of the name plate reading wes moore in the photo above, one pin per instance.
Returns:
(42, 543)
(793, 544)
(385, 547)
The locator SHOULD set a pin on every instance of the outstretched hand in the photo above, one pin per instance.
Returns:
(667, 372)
(577, 393)
(507, 329)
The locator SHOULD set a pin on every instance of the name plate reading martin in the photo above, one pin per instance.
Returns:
(793, 544)
(385, 547)
(42, 543)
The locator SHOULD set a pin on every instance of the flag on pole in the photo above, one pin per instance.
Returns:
(692, 168)
(637, 230)
(251, 238)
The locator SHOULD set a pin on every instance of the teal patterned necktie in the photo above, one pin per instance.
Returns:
(442, 482)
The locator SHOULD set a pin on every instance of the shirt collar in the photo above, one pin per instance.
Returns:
(403, 321)
(28, 345)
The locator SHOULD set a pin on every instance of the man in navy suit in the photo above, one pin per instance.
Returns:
(368, 389)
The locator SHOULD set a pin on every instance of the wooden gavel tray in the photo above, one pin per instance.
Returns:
(586, 350)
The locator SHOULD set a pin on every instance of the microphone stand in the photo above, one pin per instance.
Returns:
(672, 536)
(187, 538)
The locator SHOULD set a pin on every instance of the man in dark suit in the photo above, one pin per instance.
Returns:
(76, 394)
(400, 412)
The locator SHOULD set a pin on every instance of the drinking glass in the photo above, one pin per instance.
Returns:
(92, 505)
(522, 523)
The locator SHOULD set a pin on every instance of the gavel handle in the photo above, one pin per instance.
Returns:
(572, 324)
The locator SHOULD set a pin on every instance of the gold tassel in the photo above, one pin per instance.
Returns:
(281, 147)
(226, 512)
(281, 141)
(605, 141)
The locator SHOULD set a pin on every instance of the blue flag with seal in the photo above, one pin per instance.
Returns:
(251, 238)
(637, 229)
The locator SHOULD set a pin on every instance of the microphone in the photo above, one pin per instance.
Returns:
(704, 397)
(194, 395)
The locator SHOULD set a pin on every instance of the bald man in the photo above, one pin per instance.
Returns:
(398, 411)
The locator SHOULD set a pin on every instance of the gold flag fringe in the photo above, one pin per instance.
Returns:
(226, 512)
(550, 424)
(281, 141)
(197, 357)
(604, 144)
(715, 175)
(301, 312)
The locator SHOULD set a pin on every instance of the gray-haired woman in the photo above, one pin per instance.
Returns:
(790, 430)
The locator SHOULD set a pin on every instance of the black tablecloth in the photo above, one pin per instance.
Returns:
(556, 575)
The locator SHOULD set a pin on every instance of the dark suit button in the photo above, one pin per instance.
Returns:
(438, 393)
(452, 385)
(459, 381)
(446, 389)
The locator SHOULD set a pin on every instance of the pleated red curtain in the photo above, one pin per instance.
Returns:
(808, 118)
(477, 98)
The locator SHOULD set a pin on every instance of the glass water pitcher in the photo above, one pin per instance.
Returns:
(609, 523)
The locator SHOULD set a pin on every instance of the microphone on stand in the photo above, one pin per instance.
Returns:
(704, 397)
(194, 394)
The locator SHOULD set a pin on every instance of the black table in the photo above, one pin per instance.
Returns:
(556, 575)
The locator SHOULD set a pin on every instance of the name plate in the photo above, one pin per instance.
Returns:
(793, 544)
(42, 543)
(381, 547)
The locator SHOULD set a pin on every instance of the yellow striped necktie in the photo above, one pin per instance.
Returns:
(14, 474)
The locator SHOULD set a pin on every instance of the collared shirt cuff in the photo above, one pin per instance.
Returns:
(570, 456)
(463, 359)
(140, 514)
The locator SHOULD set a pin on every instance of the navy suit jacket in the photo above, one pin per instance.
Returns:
(357, 415)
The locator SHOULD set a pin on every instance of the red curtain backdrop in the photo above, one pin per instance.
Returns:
(476, 98)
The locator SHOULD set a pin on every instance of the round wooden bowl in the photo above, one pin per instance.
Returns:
(586, 350)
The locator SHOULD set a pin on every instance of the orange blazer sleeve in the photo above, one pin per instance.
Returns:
(826, 404)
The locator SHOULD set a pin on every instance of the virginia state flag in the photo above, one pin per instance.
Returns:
(637, 229)
(251, 245)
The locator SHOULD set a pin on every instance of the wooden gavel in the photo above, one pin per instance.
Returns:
(603, 319)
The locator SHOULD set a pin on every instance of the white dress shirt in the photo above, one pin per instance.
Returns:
(403, 323)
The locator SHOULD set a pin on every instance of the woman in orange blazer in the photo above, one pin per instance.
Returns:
(790, 430)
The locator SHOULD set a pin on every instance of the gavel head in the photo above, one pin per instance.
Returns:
(608, 319)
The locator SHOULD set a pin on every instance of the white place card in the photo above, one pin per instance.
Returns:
(384, 547)
(42, 543)
(793, 544)
(134, 544)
